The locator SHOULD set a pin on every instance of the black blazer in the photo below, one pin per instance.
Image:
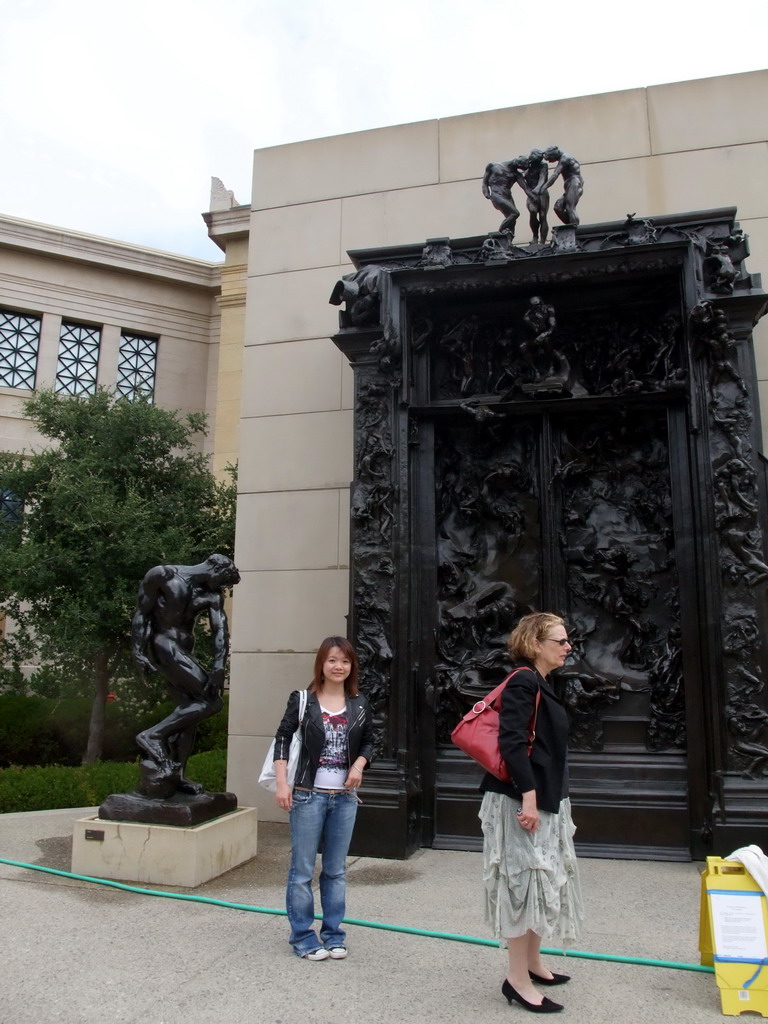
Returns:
(545, 770)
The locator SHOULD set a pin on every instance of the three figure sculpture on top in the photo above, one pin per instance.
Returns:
(533, 176)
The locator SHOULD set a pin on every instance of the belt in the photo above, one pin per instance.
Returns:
(315, 789)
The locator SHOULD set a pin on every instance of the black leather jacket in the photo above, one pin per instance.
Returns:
(359, 735)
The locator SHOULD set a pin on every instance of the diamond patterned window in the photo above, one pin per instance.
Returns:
(19, 344)
(136, 366)
(10, 508)
(78, 359)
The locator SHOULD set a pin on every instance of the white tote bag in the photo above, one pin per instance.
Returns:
(267, 778)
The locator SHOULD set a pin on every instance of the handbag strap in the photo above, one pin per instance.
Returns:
(495, 694)
(532, 723)
(302, 709)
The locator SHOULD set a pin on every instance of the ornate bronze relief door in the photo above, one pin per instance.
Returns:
(571, 513)
(567, 427)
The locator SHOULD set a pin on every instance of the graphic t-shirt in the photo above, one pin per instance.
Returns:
(334, 761)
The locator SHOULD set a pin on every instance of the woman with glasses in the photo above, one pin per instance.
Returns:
(531, 877)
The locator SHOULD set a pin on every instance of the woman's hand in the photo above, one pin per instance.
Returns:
(283, 795)
(354, 778)
(528, 815)
(283, 789)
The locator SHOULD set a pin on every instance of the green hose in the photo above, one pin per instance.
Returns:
(405, 929)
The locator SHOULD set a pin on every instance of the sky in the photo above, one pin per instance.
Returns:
(114, 116)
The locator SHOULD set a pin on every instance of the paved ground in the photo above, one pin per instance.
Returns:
(79, 953)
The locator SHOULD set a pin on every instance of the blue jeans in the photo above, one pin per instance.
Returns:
(319, 820)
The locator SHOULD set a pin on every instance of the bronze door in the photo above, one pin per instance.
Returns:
(569, 511)
(571, 427)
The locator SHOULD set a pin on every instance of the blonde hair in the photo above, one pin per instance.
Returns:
(522, 639)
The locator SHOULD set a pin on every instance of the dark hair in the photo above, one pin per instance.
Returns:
(346, 648)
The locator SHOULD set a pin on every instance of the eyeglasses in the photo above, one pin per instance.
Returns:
(564, 642)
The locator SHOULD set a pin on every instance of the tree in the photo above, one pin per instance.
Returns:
(122, 487)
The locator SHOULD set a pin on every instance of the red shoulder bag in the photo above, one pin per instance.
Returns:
(477, 734)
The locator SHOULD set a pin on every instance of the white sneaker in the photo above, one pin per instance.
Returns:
(318, 954)
(337, 952)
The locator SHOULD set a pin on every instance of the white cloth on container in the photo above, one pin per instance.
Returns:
(531, 879)
(756, 863)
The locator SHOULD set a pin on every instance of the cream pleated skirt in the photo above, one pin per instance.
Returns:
(531, 880)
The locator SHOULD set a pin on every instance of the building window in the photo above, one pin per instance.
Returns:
(11, 508)
(19, 344)
(136, 366)
(78, 359)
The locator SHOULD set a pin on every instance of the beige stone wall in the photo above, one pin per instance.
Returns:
(662, 150)
(116, 286)
(228, 227)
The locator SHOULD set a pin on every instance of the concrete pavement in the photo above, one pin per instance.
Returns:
(75, 952)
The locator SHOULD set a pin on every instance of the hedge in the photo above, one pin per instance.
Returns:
(54, 786)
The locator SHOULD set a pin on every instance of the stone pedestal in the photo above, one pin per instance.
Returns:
(164, 854)
(564, 238)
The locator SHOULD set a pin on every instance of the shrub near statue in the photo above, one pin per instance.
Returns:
(171, 597)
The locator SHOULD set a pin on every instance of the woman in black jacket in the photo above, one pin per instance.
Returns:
(336, 746)
(529, 863)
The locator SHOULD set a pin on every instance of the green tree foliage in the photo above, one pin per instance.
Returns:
(121, 486)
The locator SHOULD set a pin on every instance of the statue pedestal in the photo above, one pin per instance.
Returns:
(564, 238)
(164, 854)
(182, 809)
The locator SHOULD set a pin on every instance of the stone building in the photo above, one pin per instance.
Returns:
(249, 341)
(80, 311)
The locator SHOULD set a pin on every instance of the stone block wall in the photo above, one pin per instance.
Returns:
(662, 150)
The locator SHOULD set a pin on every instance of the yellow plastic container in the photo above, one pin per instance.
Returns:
(733, 936)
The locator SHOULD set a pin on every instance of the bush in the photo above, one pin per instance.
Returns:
(44, 789)
(26, 736)
(88, 785)
(210, 768)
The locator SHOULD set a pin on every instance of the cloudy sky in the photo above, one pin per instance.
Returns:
(114, 116)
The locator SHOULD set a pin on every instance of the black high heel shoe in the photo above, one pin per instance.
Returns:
(545, 1006)
(556, 979)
